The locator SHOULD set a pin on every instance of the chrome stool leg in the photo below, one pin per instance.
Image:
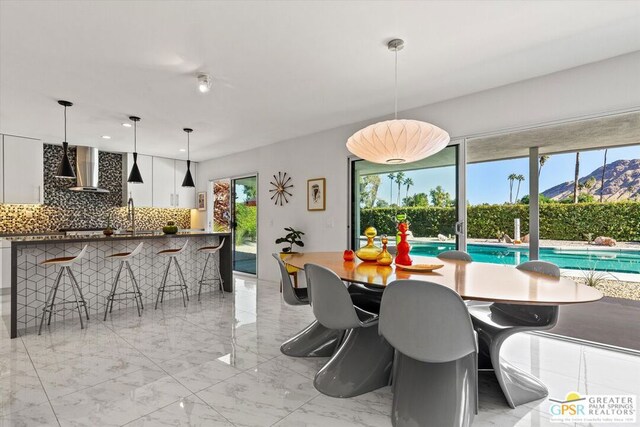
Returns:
(184, 289)
(75, 295)
(82, 300)
(135, 284)
(137, 295)
(109, 305)
(204, 269)
(49, 300)
(163, 283)
(216, 269)
(182, 285)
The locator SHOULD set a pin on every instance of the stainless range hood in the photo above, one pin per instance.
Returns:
(87, 170)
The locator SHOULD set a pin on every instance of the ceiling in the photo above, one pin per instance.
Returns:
(281, 69)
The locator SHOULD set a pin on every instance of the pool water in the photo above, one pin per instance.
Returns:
(622, 261)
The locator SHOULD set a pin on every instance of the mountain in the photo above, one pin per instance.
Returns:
(621, 182)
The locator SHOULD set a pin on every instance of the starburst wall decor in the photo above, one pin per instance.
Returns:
(280, 186)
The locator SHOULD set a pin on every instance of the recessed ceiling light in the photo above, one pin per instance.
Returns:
(127, 125)
(182, 150)
(106, 137)
(204, 83)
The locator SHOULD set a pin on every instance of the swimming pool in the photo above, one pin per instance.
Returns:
(622, 261)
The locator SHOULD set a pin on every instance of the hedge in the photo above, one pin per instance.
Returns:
(558, 221)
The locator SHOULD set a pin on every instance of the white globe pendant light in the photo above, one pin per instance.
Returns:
(397, 141)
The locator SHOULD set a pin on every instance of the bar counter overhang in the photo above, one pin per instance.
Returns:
(31, 281)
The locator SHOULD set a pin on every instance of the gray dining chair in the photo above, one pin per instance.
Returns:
(455, 255)
(313, 341)
(496, 322)
(364, 359)
(435, 379)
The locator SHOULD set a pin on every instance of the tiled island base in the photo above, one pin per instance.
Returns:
(32, 281)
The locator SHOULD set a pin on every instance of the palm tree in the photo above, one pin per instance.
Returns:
(392, 177)
(408, 183)
(512, 177)
(576, 179)
(604, 167)
(519, 178)
(399, 181)
(543, 160)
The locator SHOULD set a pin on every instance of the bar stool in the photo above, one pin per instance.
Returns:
(172, 254)
(65, 264)
(211, 251)
(124, 258)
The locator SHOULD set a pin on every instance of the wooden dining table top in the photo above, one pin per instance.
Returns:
(471, 280)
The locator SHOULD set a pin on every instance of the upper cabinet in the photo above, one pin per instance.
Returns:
(164, 177)
(22, 170)
(142, 193)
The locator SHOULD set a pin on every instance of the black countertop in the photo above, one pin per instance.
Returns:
(59, 238)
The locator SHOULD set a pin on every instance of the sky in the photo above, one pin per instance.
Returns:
(487, 182)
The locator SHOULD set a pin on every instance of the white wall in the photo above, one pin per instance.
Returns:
(600, 87)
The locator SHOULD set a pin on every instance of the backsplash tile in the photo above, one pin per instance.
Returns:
(63, 209)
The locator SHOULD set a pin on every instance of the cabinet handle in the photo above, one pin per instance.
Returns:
(171, 202)
(39, 194)
(177, 200)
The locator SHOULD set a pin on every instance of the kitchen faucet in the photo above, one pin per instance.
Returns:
(131, 212)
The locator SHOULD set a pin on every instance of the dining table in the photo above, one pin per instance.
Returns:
(478, 283)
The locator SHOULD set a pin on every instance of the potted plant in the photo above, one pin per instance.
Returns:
(293, 237)
(170, 228)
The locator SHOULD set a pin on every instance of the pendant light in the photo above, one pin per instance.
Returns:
(397, 141)
(188, 179)
(134, 176)
(65, 170)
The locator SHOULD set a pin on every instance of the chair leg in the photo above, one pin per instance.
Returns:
(84, 301)
(76, 296)
(361, 364)
(49, 299)
(184, 288)
(136, 288)
(204, 269)
(313, 341)
(114, 286)
(55, 293)
(518, 386)
(220, 282)
(434, 394)
(163, 283)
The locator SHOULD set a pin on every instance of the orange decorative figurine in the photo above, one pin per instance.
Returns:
(402, 257)
(385, 257)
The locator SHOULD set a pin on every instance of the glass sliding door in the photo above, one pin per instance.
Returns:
(245, 224)
(425, 192)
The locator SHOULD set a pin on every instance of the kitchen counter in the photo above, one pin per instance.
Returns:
(31, 281)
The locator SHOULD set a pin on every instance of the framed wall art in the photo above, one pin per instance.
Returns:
(316, 194)
(202, 201)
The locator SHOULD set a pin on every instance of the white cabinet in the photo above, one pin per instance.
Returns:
(142, 193)
(22, 170)
(185, 196)
(1, 169)
(164, 177)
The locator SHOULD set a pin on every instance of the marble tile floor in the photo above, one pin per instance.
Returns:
(217, 363)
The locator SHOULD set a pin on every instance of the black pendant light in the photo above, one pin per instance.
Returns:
(65, 170)
(188, 179)
(134, 176)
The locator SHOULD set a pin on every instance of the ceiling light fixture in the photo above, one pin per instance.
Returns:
(188, 179)
(105, 137)
(127, 125)
(134, 176)
(65, 170)
(204, 83)
(397, 141)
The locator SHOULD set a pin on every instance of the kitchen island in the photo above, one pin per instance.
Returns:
(31, 281)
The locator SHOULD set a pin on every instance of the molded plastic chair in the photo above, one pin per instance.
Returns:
(455, 255)
(364, 359)
(435, 371)
(496, 322)
(313, 341)
(78, 299)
